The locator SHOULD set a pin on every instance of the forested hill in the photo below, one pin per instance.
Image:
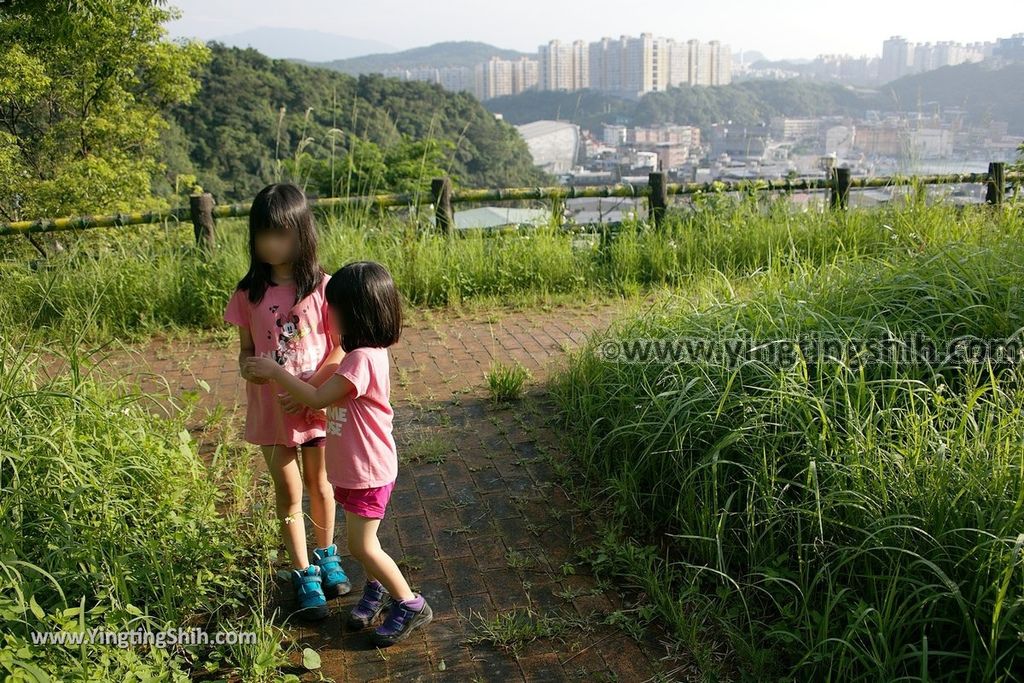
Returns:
(745, 103)
(982, 91)
(258, 119)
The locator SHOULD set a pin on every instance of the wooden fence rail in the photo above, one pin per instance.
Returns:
(202, 212)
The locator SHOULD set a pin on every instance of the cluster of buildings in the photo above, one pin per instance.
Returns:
(627, 66)
(632, 67)
(496, 77)
(899, 58)
(562, 148)
(875, 144)
(902, 58)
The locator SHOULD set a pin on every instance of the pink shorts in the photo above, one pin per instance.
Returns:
(369, 503)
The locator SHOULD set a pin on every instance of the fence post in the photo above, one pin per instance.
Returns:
(201, 206)
(658, 197)
(996, 190)
(557, 210)
(441, 193)
(839, 199)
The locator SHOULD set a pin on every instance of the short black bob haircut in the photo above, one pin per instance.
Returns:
(367, 301)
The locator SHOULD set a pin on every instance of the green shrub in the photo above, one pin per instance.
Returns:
(839, 521)
(111, 522)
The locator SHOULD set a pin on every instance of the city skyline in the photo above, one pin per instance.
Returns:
(629, 66)
(786, 32)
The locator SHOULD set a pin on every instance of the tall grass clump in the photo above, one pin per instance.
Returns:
(140, 280)
(111, 522)
(837, 520)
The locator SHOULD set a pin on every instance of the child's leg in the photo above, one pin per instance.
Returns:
(321, 495)
(284, 471)
(365, 547)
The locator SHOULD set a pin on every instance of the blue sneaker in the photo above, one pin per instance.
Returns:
(373, 602)
(309, 595)
(335, 582)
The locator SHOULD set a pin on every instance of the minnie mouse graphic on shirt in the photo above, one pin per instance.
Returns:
(288, 335)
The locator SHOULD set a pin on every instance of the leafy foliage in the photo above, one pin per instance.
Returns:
(82, 89)
(260, 120)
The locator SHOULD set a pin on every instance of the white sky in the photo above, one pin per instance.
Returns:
(779, 29)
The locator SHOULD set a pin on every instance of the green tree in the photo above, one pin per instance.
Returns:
(83, 84)
(260, 120)
(363, 167)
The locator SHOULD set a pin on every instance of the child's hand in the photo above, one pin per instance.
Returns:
(289, 404)
(249, 378)
(262, 368)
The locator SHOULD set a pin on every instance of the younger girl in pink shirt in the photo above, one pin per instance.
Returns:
(280, 308)
(362, 462)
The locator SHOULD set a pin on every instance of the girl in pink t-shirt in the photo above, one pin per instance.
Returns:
(362, 462)
(281, 312)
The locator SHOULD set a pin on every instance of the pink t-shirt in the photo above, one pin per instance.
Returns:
(298, 337)
(360, 450)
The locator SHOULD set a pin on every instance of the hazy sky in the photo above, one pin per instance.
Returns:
(779, 29)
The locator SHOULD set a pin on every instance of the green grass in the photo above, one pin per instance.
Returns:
(136, 281)
(512, 630)
(112, 521)
(829, 521)
(505, 382)
(823, 521)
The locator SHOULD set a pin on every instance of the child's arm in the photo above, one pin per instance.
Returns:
(331, 391)
(246, 349)
(329, 364)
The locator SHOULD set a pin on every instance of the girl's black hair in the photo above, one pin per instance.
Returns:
(365, 297)
(282, 207)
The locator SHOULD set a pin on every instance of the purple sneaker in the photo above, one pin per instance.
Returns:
(369, 607)
(402, 618)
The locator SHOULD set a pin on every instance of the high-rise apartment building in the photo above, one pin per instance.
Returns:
(897, 59)
(564, 66)
(635, 66)
(902, 58)
(498, 77)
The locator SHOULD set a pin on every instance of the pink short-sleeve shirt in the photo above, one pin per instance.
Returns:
(360, 451)
(297, 336)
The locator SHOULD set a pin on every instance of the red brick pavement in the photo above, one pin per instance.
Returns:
(477, 520)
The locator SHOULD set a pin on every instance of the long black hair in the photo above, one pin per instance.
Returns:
(282, 207)
(367, 301)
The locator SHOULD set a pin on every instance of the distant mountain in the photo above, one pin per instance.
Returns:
(301, 44)
(984, 91)
(748, 57)
(463, 53)
(785, 64)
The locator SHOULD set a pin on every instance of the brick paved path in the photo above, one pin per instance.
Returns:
(478, 520)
